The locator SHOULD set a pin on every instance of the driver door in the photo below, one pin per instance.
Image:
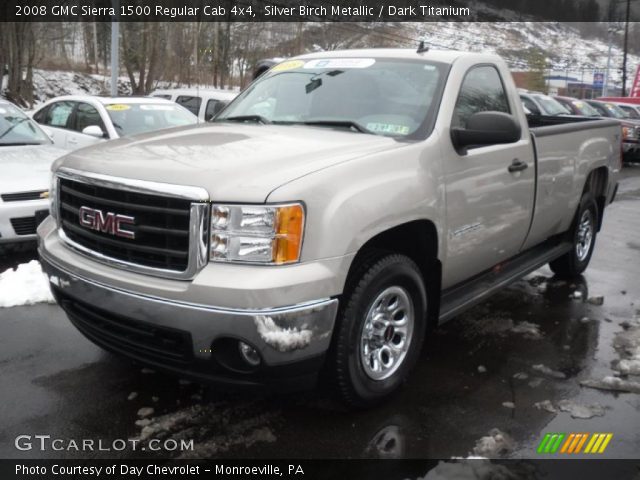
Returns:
(488, 207)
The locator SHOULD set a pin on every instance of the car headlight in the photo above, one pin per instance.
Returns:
(628, 132)
(268, 234)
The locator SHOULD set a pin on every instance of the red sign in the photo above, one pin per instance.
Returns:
(635, 90)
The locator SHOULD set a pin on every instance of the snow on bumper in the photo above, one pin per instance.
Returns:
(281, 335)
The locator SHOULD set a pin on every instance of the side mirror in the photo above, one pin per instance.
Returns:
(94, 131)
(486, 128)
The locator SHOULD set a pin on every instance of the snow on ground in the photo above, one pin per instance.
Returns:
(27, 285)
(541, 368)
(581, 411)
(566, 50)
(613, 384)
(214, 427)
(495, 444)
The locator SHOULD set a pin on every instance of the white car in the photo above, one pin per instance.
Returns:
(205, 103)
(26, 155)
(76, 121)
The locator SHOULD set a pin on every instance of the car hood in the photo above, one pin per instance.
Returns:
(26, 168)
(234, 162)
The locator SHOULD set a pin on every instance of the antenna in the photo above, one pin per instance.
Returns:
(422, 47)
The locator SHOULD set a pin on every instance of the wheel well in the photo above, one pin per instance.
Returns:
(597, 184)
(417, 240)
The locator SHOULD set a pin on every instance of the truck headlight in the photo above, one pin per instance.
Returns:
(269, 234)
(628, 132)
(53, 197)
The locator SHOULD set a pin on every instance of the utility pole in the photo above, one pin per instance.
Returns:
(115, 49)
(626, 48)
(605, 87)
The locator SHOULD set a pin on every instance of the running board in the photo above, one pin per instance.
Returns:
(459, 298)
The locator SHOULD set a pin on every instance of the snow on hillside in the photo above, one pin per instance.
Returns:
(566, 51)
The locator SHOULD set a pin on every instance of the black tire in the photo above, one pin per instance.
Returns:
(575, 262)
(376, 274)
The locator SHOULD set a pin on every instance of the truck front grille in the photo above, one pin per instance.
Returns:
(114, 332)
(161, 224)
(21, 196)
(24, 225)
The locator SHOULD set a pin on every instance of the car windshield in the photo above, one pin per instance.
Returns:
(550, 105)
(134, 118)
(18, 129)
(611, 110)
(630, 111)
(585, 109)
(388, 97)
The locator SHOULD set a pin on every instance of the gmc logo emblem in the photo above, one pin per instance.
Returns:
(109, 222)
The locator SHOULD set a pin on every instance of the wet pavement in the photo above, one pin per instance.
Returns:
(474, 392)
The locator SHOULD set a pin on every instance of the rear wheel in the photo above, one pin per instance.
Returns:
(380, 329)
(584, 231)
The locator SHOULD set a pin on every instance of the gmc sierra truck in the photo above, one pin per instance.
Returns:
(338, 208)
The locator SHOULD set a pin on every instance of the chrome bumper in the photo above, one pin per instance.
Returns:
(281, 335)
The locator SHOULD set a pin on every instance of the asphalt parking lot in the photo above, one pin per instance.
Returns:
(491, 382)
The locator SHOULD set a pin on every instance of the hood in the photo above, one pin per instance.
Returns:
(26, 168)
(234, 162)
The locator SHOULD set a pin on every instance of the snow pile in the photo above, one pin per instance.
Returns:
(27, 285)
(545, 405)
(527, 330)
(495, 444)
(281, 338)
(581, 411)
(548, 372)
(614, 384)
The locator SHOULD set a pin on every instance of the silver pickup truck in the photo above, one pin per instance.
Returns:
(344, 203)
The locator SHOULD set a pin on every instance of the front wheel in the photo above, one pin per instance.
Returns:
(380, 329)
(584, 230)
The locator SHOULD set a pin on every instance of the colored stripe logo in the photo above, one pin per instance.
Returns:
(573, 443)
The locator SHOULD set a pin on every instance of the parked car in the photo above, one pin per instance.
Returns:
(26, 155)
(630, 127)
(324, 220)
(76, 121)
(541, 104)
(632, 110)
(578, 107)
(206, 104)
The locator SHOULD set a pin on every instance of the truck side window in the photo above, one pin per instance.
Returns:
(190, 103)
(481, 91)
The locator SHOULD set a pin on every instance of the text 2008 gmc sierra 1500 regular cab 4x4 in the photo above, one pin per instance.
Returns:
(341, 205)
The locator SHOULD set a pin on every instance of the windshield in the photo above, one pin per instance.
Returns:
(388, 97)
(610, 110)
(18, 129)
(585, 109)
(630, 111)
(134, 118)
(550, 105)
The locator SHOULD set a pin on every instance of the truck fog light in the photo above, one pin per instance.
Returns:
(249, 354)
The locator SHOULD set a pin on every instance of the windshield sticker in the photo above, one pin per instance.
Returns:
(388, 128)
(116, 107)
(340, 63)
(157, 107)
(288, 65)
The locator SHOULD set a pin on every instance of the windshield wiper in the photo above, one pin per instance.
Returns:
(18, 144)
(350, 124)
(247, 118)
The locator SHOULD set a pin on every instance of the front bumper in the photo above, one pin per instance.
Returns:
(165, 324)
(23, 213)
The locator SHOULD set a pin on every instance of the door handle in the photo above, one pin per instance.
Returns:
(72, 140)
(517, 166)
